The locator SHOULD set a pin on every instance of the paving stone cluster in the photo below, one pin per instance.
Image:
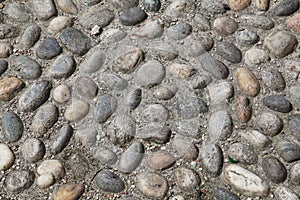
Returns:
(150, 99)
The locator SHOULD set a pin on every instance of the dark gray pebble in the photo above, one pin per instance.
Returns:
(179, 31)
(273, 79)
(3, 66)
(27, 67)
(12, 127)
(190, 107)
(30, 36)
(223, 194)
(229, 52)
(105, 106)
(133, 98)
(114, 81)
(289, 151)
(109, 182)
(132, 16)
(49, 48)
(8, 31)
(247, 37)
(274, 169)
(152, 5)
(278, 103)
(62, 67)
(19, 180)
(285, 7)
(155, 132)
(218, 69)
(61, 139)
(211, 156)
(294, 125)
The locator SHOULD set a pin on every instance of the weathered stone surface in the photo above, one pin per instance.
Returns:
(211, 156)
(256, 138)
(69, 191)
(225, 25)
(181, 70)
(9, 86)
(243, 153)
(67, 6)
(96, 16)
(278, 103)
(218, 69)
(43, 9)
(160, 160)
(61, 139)
(131, 158)
(109, 182)
(238, 4)
(289, 151)
(224, 194)
(86, 87)
(229, 52)
(19, 180)
(154, 132)
(283, 192)
(243, 109)
(62, 67)
(33, 150)
(132, 16)
(274, 169)
(105, 155)
(53, 167)
(294, 23)
(186, 179)
(30, 36)
(27, 67)
(220, 126)
(269, 123)
(77, 110)
(285, 7)
(105, 106)
(12, 126)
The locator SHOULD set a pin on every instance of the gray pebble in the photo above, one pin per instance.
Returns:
(96, 16)
(131, 158)
(179, 31)
(273, 79)
(87, 136)
(274, 169)
(3, 66)
(191, 107)
(133, 98)
(62, 67)
(194, 46)
(75, 40)
(211, 156)
(123, 5)
(224, 194)
(67, 6)
(30, 36)
(201, 81)
(229, 52)
(243, 153)
(255, 138)
(93, 62)
(295, 174)
(225, 25)
(61, 139)
(220, 126)
(188, 128)
(61, 93)
(105, 106)
(293, 123)
(112, 35)
(247, 37)
(8, 31)
(295, 95)
(289, 151)
(114, 81)
(218, 69)
(33, 150)
(220, 92)
(179, 8)
(165, 92)
(278, 103)
(285, 7)
(132, 16)
(186, 179)
(44, 9)
(105, 155)
(27, 67)
(152, 5)
(164, 50)
(86, 87)
(269, 123)
(12, 127)
(19, 180)
(185, 148)
(156, 113)
(213, 7)
(150, 29)
(88, 2)
(154, 132)
(201, 22)
(258, 21)
(18, 12)
(49, 48)
(283, 192)
(109, 182)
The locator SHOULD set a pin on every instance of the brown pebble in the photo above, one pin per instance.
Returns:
(181, 70)
(69, 192)
(243, 109)
(160, 160)
(238, 4)
(294, 22)
(262, 4)
(225, 25)
(247, 82)
(9, 86)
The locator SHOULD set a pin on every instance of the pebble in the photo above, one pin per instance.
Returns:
(45, 180)
(256, 138)
(165, 92)
(178, 31)
(121, 130)
(3, 66)
(185, 148)
(213, 7)
(19, 180)
(18, 12)
(247, 37)
(33, 150)
(96, 16)
(5, 50)
(105, 106)
(262, 4)
(7, 157)
(132, 16)
(220, 126)
(87, 136)
(274, 169)
(269, 123)
(109, 182)
(85, 87)
(45, 118)
(190, 107)
(114, 81)
(229, 52)
(152, 185)
(243, 153)
(200, 22)
(287, 150)
(256, 56)
(188, 128)
(93, 62)
(201, 81)
(225, 25)
(152, 5)
(62, 67)
(30, 36)
(258, 21)
(53, 167)
(220, 92)
(133, 98)
(9, 87)
(277, 103)
(150, 74)
(112, 35)
(61, 139)
(215, 67)
(154, 132)
(28, 68)
(293, 22)
(160, 160)
(164, 50)
(75, 40)
(294, 94)
(150, 29)
(131, 158)
(123, 5)
(293, 124)
(224, 194)
(8, 31)
(281, 43)
(61, 93)
(67, 6)
(90, 2)
(48, 49)
(77, 110)
(283, 192)
(237, 5)
(211, 157)
(195, 46)
(179, 8)
(105, 155)
(156, 113)
(247, 82)
(285, 7)
(295, 174)
(59, 23)
(243, 109)
(273, 79)
(245, 181)
(12, 127)
(181, 70)
(69, 191)
(127, 58)
(43, 9)
(186, 179)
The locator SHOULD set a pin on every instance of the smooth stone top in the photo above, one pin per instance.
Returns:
(274, 169)
(289, 151)
(224, 194)
(186, 179)
(283, 192)
(278, 103)
(109, 182)
(30, 36)
(12, 127)
(293, 123)
(33, 150)
(131, 158)
(132, 16)
(9, 86)
(61, 139)
(285, 7)
(62, 67)
(105, 106)
(229, 52)
(49, 48)
(211, 156)
(7, 157)
(53, 167)
(220, 126)
(27, 67)
(96, 16)
(160, 160)
(44, 9)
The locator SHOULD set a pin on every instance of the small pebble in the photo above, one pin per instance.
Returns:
(243, 153)
(165, 92)
(237, 5)
(131, 158)
(269, 123)
(211, 156)
(273, 79)
(294, 22)
(45, 180)
(287, 150)
(186, 179)
(133, 98)
(7, 157)
(295, 174)
(220, 126)
(277, 103)
(181, 70)
(105, 106)
(30, 36)
(256, 138)
(9, 86)
(109, 182)
(224, 194)
(247, 82)
(154, 132)
(69, 191)
(160, 160)
(262, 4)
(285, 7)
(105, 155)
(243, 109)
(132, 16)
(274, 169)
(19, 180)
(178, 31)
(62, 93)
(27, 67)
(67, 6)
(114, 81)
(12, 127)
(229, 52)
(77, 110)
(152, 5)
(43, 9)
(48, 49)
(156, 113)
(86, 87)
(33, 150)
(185, 147)
(61, 139)
(225, 25)
(53, 167)
(59, 23)
(5, 50)
(283, 192)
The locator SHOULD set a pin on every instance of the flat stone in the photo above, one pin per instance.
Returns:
(295, 174)
(67, 6)
(7, 157)
(43, 9)
(181, 70)
(215, 67)
(105, 106)
(27, 67)
(45, 117)
(77, 110)
(18, 12)
(285, 7)
(62, 67)
(269, 123)
(45, 180)
(165, 92)
(179, 8)
(191, 107)
(211, 156)
(247, 37)
(61, 139)
(245, 181)
(30, 36)
(33, 150)
(59, 23)
(12, 127)
(5, 49)
(154, 132)
(132, 16)
(237, 5)
(150, 29)
(109, 182)
(293, 124)
(229, 52)
(9, 86)
(152, 5)
(87, 136)
(256, 56)
(274, 169)
(281, 43)
(75, 40)
(156, 113)
(273, 79)
(258, 21)
(262, 4)
(85, 87)
(48, 49)
(61, 93)
(105, 155)
(53, 167)
(8, 31)
(152, 185)
(93, 62)
(220, 126)
(225, 25)
(160, 160)
(178, 31)
(224, 194)
(256, 138)
(133, 98)
(243, 109)
(247, 82)
(114, 81)
(69, 191)
(220, 92)
(287, 150)
(283, 192)
(186, 179)
(243, 153)
(96, 16)
(185, 148)
(277, 103)
(131, 158)
(19, 180)
(294, 22)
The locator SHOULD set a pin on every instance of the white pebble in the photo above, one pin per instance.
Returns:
(7, 157)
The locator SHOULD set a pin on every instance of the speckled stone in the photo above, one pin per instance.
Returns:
(33, 150)
(19, 180)
(131, 158)
(96, 16)
(30, 36)
(61, 139)
(69, 191)
(27, 67)
(269, 123)
(53, 167)
(229, 52)
(289, 151)
(186, 179)
(211, 156)
(77, 110)
(105, 106)
(160, 160)
(109, 182)
(243, 153)
(9, 87)
(48, 49)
